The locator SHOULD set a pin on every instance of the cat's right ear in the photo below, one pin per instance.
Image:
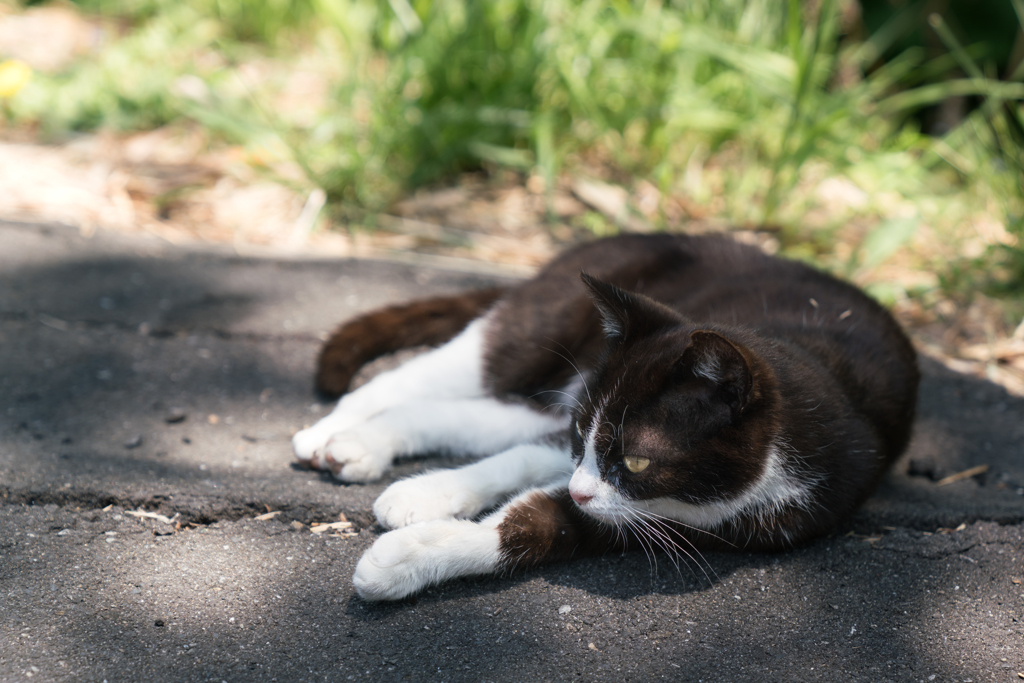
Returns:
(624, 313)
(611, 304)
(714, 357)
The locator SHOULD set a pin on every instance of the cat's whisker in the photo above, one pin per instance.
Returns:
(674, 550)
(658, 539)
(611, 445)
(564, 393)
(565, 409)
(620, 534)
(667, 528)
(515, 563)
(671, 528)
(644, 544)
(570, 362)
(669, 520)
(614, 431)
(655, 539)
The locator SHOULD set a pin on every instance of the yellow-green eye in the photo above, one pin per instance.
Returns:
(579, 430)
(635, 463)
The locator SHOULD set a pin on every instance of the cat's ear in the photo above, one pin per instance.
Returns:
(625, 314)
(716, 358)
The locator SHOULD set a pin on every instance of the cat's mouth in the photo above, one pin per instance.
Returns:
(597, 498)
(612, 518)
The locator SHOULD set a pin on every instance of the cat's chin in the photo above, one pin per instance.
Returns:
(617, 515)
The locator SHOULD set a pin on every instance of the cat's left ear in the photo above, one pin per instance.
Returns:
(627, 314)
(712, 356)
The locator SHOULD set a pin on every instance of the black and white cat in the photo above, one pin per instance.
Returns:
(663, 390)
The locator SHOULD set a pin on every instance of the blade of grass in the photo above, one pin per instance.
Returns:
(931, 94)
(805, 67)
(942, 29)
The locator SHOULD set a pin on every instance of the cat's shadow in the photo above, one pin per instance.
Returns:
(614, 577)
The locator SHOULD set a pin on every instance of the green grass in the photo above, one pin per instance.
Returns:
(763, 98)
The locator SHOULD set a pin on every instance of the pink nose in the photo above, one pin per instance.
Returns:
(580, 498)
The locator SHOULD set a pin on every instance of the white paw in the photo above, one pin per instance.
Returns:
(437, 495)
(347, 446)
(405, 561)
(309, 444)
(360, 455)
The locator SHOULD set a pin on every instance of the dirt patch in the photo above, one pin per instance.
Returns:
(175, 183)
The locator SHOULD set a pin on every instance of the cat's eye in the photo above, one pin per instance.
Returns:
(635, 463)
(579, 429)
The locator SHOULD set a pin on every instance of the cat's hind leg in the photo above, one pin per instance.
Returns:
(536, 527)
(454, 370)
(465, 492)
(466, 427)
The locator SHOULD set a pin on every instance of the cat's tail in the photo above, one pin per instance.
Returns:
(371, 335)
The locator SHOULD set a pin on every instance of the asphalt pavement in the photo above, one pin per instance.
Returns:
(152, 526)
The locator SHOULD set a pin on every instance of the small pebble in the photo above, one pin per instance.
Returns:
(175, 415)
(564, 609)
(134, 442)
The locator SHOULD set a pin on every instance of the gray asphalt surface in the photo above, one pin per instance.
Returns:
(139, 376)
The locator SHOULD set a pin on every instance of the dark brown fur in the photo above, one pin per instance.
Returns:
(550, 528)
(808, 359)
(369, 336)
(548, 324)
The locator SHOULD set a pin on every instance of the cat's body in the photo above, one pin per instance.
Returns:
(687, 392)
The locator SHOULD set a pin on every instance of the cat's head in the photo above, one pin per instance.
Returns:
(675, 421)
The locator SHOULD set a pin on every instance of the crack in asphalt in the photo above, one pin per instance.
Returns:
(193, 510)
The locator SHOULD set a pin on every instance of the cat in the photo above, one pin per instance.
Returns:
(682, 391)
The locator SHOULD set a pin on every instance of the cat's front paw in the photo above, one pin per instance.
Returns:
(307, 444)
(407, 560)
(357, 455)
(437, 495)
(351, 450)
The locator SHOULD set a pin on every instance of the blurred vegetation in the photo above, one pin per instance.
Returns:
(739, 106)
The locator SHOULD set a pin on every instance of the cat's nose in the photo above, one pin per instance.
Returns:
(580, 498)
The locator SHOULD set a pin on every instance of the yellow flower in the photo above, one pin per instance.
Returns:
(14, 74)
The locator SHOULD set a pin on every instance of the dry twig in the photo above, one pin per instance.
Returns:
(966, 474)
